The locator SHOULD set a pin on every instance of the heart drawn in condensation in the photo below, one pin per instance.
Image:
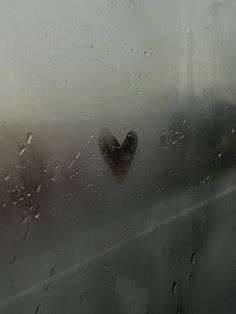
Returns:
(118, 157)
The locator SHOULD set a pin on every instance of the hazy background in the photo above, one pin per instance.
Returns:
(70, 60)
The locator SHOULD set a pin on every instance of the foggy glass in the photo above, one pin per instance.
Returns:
(118, 150)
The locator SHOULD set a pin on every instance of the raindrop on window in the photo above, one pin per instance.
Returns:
(7, 176)
(29, 138)
(38, 188)
(174, 287)
(36, 214)
(25, 220)
(22, 150)
(193, 258)
(53, 179)
(105, 266)
(191, 278)
(15, 261)
(77, 156)
(52, 271)
(38, 309)
(147, 53)
(71, 164)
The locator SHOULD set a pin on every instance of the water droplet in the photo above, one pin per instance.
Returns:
(147, 53)
(193, 258)
(25, 219)
(137, 92)
(36, 215)
(53, 179)
(71, 164)
(4, 205)
(7, 176)
(38, 309)
(77, 156)
(27, 233)
(105, 266)
(52, 271)
(29, 138)
(174, 287)
(219, 155)
(190, 278)
(89, 185)
(38, 188)
(232, 131)
(47, 286)
(22, 150)
(15, 261)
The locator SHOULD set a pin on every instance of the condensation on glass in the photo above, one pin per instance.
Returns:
(118, 151)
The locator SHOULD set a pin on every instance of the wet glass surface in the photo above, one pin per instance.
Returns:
(118, 153)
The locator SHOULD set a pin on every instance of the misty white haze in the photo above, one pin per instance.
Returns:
(66, 60)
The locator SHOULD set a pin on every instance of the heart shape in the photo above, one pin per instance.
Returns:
(118, 157)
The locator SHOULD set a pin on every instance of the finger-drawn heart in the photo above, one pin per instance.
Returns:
(118, 157)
